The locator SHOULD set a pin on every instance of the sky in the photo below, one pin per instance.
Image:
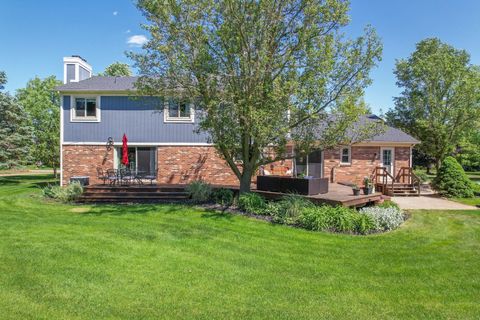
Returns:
(35, 38)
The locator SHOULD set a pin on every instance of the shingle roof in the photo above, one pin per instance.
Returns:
(390, 134)
(101, 83)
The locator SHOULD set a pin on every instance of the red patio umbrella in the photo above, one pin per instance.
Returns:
(125, 150)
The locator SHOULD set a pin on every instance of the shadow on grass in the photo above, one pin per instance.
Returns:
(35, 179)
(137, 209)
(217, 214)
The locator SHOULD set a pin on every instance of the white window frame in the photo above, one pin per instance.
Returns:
(73, 105)
(349, 155)
(168, 118)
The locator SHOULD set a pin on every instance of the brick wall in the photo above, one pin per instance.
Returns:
(82, 160)
(183, 164)
(363, 160)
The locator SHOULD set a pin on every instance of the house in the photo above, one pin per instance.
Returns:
(97, 111)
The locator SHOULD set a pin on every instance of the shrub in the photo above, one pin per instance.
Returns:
(336, 219)
(290, 208)
(223, 196)
(363, 223)
(384, 219)
(199, 191)
(252, 203)
(67, 193)
(422, 175)
(451, 180)
(388, 204)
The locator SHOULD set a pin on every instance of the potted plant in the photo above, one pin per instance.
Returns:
(356, 190)
(368, 186)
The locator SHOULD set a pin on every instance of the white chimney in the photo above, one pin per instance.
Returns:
(75, 69)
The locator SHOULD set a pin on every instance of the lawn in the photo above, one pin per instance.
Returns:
(172, 261)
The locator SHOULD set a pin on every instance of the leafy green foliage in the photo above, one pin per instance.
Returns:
(422, 175)
(16, 133)
(439, 103)
(67, 193)
(117, 69)
(3, 79)
(289, 209)
(384, 219)
(388, 204)
(223, 196)
(251, 202)
(451, 180)
(249, 64)
(335, 219)
(199, 191)
(42, 102)
(468, 152)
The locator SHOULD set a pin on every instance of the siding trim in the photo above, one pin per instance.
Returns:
(140, 144)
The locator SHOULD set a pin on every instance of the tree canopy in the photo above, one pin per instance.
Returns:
(42, 102)
(16, 132)
(263, 73)
(439, 103)
(117, 69)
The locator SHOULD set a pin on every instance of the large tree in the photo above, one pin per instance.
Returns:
(16, 133)
(42, 102)
(264, 73)
(117, 69)
(439, 103)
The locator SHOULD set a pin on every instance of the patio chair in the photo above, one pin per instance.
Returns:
(101, 175)
(112, 176)
(151, 176)
(126, 176)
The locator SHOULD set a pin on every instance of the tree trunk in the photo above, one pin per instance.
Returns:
(245, 180)
(55, 171)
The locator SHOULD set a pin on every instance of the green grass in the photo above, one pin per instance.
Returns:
(470, 201)
(172, 261)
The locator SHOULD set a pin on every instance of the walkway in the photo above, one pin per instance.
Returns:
(430, 201)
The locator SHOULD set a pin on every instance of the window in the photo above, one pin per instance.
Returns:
(345, 155)
(178, 112)
(85, 109)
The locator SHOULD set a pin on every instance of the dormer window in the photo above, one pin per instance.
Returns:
(176, 111)
(85, 109)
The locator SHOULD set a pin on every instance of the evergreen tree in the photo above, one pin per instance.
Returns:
(16, 132)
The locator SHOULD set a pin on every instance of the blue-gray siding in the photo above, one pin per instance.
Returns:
(140, 119)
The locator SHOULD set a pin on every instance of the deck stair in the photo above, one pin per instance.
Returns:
(405, 183)
(133, 193)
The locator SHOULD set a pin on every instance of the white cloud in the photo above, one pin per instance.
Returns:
(137, 40)
(128, 31)
(115, 13)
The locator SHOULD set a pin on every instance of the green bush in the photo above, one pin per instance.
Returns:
(451, 180)
(68, 193)
(388, 204)
(336, 219)
(290, 208)
(199, 191)
(252, 203)
(223, 196)
(422, 175)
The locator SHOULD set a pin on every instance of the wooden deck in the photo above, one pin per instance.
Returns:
(337, 195)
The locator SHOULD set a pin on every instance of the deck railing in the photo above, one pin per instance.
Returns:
(380, 176)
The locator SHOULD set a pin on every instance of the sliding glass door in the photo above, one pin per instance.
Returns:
(141, 159)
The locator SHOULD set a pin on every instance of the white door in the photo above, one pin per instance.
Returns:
(388, 160)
